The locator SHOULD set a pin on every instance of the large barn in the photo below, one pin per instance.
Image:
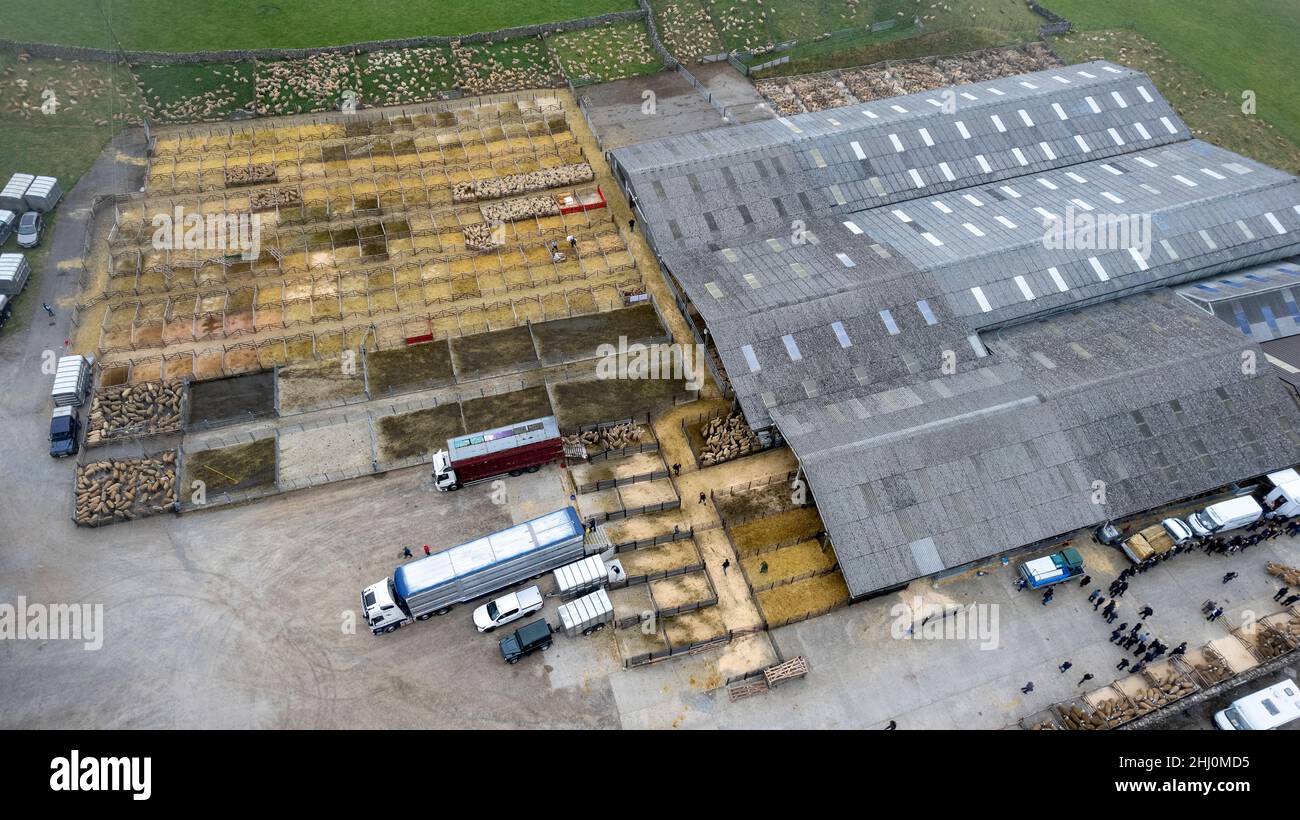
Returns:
(877, 284)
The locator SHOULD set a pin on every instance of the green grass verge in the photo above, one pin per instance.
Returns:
(938, 43)
(146, 25)
(1237, 46)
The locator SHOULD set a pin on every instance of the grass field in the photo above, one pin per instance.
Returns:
(1245, 44)
(949, 27)
(146, 25)
(605, 53)
(1213, 115)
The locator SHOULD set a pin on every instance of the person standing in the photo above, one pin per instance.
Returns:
(1087, 579)
(1123, 664)
(406, 552)
(1047, 597)
(1281, 593)
(1229, 576)
(1146, 612)
(427, 551)
(1027, 688)
(1065, 667)
(1087, 676)
(48, 309)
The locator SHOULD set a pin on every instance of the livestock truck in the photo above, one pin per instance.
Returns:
(433, 585)
(514, 449)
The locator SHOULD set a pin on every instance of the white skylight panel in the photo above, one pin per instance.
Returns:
(925, 137)
(1096, 109)
(961, 129)
(1119, 99)
(997, 123)
(1024, 117)
(791, 348)
(984, 164)
(1058, 280)
(898, 144)
(750, 359)
(1083, 146)
(972, 229)
(890, 324)
(981, 299)
(857, 150)
(1098, 269)
(841, 334)
(1047, 150)
(916, 177)
(1024, 289)
(1060, 112)
(1138, 258)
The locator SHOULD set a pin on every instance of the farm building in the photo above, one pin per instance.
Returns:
(956, 379)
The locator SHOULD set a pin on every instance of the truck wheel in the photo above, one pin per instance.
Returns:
(545, 646)
(512, 660)
(454, 487)
(534, 468)
(589, 630)
(390, 629)
(599, 627)
(442, 611)
(516, 473)
(426, 616)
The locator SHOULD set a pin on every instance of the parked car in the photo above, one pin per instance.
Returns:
(29, 229)
(65, 430)
(508, 608)
(526, 640)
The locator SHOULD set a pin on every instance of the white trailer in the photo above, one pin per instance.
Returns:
(587, 614)
(71, 381)
(43, 194)
(8, 224)
(12, 195)
(15, 270)
(581, 576)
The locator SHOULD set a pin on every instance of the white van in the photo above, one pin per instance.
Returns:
(1226, 515)
(1269, 708)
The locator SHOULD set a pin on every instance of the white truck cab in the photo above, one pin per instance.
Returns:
(508, 608)
(383, 613)
(444, 477)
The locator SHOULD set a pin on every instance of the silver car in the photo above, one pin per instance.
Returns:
(29, 229)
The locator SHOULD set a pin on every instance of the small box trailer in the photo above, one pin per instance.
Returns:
(433, 585)
(1052, 569)
(581, 576)
(514, 449)
(587, 614)
(1156, 539)
(71, 381)
(1283, 497)
(13, 195)
(43, 194)
(15, 270)
(8, 224)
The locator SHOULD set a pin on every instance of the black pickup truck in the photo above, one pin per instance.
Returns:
(526, 640)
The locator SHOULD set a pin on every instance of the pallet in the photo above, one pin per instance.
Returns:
(747, 690)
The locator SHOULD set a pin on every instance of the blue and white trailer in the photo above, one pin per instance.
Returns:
(434, 584)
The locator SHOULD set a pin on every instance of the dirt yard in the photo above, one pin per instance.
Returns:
(494, 353)
(681, 590)
(506, 408)
(788, 562)
(583, 402)
(402, 369)
(223, 400)
(320, 384)
(753, 536)
(337, 449)
(229, 469)
(418, 433)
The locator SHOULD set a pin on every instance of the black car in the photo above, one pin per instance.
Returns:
(65, 430)
(526, 640)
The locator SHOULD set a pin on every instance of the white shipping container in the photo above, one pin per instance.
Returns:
(587, 614)
(14, 272)
(12, 195)
(43, 194)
